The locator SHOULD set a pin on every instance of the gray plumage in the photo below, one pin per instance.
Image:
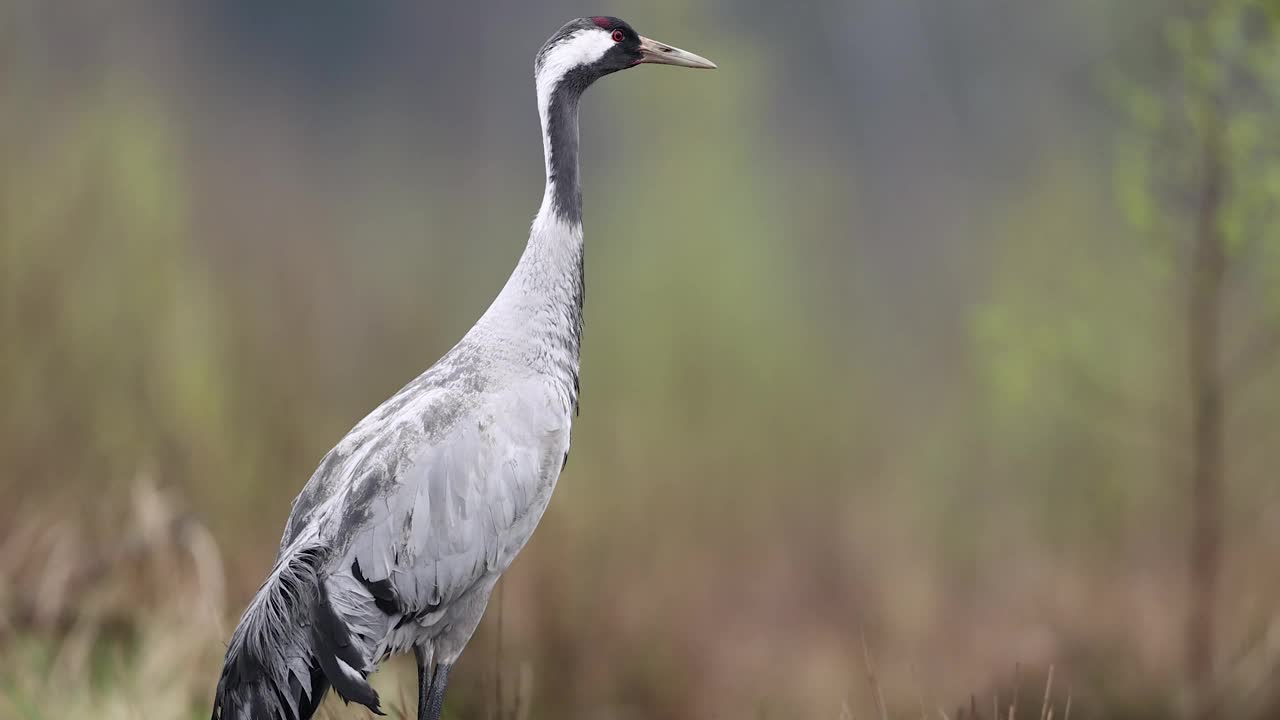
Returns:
(398, 538)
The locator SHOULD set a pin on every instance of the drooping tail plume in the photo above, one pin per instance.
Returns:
(289, 648)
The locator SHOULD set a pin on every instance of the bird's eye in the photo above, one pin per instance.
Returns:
(618, 36)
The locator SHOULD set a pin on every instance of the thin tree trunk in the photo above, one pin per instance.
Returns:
(1207, 274)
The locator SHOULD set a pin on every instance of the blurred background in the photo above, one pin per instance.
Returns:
(929, 345)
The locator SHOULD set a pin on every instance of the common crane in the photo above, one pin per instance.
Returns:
(400, 535)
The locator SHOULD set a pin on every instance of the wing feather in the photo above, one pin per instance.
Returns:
(453, 511)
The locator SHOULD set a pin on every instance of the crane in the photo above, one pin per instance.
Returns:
(398, 538)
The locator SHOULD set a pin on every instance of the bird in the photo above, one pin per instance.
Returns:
(398, 538)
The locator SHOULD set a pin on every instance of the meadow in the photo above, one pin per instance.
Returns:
(928, 346)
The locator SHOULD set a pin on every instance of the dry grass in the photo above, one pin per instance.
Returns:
(132, 624)
(121, 626)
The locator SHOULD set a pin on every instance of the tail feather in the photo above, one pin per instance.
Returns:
(338, 655)
(289, 648)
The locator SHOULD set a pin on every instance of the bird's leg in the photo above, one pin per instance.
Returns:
(435, 699)
(424, 679)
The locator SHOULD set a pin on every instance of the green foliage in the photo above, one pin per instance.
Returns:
(1073, 352)
(110, 374)
(1221, 79)
(1086, 327)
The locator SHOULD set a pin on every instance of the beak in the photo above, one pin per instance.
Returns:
(658, 53)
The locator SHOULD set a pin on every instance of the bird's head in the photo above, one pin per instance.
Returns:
(590, 48)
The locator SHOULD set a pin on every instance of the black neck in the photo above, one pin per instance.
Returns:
(561, 128)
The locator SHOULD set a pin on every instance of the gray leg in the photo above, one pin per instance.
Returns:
(424, 680)
(435, 699)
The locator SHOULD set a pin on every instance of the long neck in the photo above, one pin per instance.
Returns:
(558, 110)
(537, 317)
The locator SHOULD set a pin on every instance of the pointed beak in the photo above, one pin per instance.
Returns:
(661, 54)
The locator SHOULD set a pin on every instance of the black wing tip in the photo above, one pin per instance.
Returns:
(331, 644)
(361, 693)
(384, 595)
